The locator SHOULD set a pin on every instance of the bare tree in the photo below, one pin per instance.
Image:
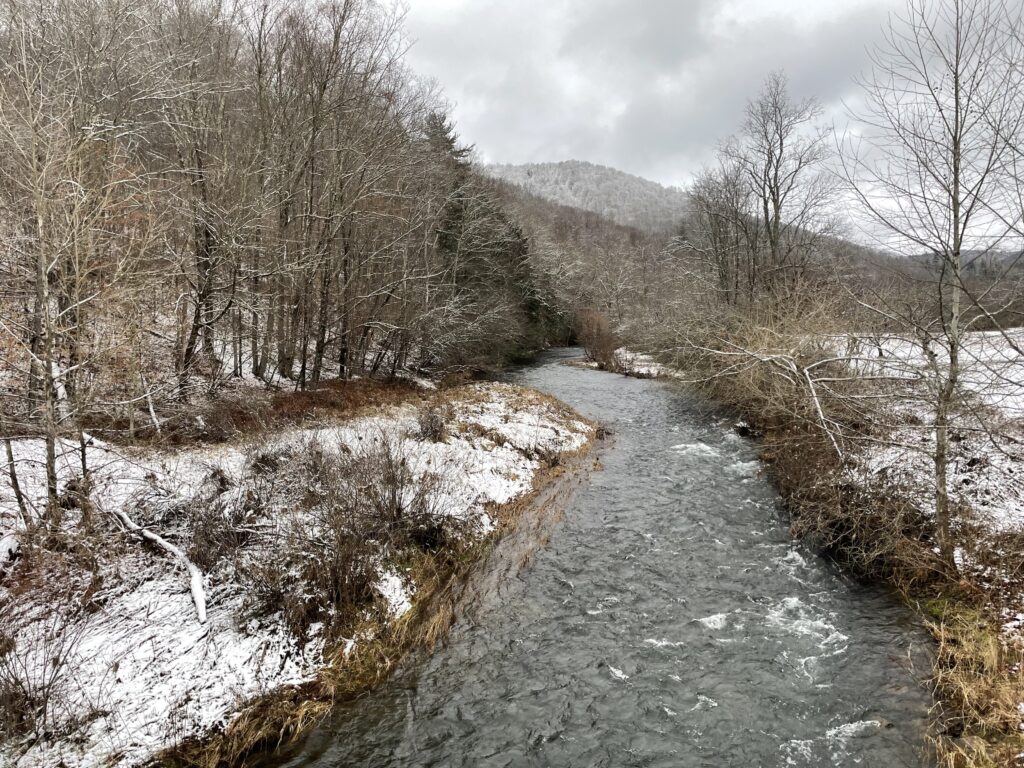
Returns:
(72, 192)
(932, 166)
(783, 201)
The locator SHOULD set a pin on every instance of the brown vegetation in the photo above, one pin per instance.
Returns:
(235, 413)
(441, 571)
(593, 331)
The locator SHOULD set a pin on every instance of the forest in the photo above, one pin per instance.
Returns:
(195, 194)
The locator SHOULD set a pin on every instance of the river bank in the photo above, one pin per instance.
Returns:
(670, 620)
(871, 508)
(219, 597)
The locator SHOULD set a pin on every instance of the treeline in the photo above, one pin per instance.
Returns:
(200, 190)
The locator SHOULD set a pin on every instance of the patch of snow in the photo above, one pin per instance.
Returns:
(8, 547)
(392, 588)
(420, 381)
(638, 364)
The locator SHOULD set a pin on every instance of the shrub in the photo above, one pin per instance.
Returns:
(358, 505)
(387, 489)
(38, 647)
(594, 334)
(218, 530)
(433, 421)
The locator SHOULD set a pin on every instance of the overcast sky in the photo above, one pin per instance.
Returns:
(647, 86)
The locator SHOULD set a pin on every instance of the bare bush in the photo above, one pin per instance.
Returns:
(315, 576)
(38, 648)
(218, 531)
(875, 530)
(356, 504)
(387, 487)
(595, 335)
(432, 422)
(221, 523)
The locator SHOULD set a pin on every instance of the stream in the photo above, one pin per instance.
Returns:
(670, 621)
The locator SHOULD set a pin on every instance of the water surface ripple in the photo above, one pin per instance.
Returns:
(671, 621)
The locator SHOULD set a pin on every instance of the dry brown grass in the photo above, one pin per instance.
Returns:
(235, 413)
(979, 682)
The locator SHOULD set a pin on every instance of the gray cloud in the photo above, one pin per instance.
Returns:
(647, 87)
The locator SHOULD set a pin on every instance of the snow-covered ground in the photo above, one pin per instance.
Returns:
(992, 364)
(639, 364)
(140, 670)
(631, 363)
(987, 436)
(986, 447)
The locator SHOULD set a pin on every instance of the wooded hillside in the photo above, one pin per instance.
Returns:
(621, 197)
(197, 193)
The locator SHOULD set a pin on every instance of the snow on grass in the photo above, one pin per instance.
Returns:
(393, 589)
(631, 363)
(420, 381)
(638, 364)
(144, 673)
(149, 673)
(986, 470)
(987, 474)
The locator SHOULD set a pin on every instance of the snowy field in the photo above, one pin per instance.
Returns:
(162, 654)
(986, 445)
(987, 460)
(992, 364)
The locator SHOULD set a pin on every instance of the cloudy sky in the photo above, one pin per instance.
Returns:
(648, 86)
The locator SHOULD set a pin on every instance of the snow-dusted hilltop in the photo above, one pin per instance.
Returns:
(621, 197)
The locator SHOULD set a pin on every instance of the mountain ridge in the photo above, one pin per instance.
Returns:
(622, 197)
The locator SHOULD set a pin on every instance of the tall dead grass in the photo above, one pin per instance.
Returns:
(979, 679)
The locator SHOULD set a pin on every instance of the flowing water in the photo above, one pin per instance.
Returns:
(670, 621)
